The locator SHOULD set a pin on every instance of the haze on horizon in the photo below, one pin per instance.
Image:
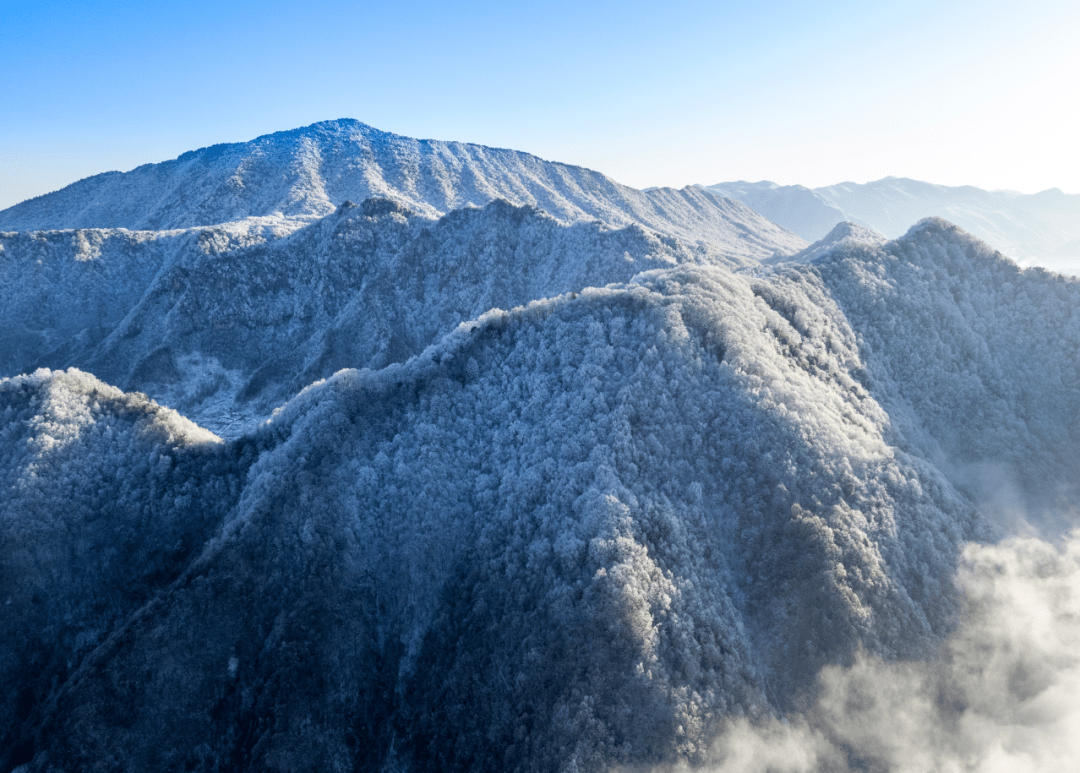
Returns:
(973, 94)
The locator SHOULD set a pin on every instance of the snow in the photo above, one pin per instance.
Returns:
(843, 236)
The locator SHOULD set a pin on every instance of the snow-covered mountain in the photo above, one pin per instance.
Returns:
(307, 173)
(1044, 225)
(225, 324)
(573, 535)
(987, 360)
(509, 467)
(842, 235)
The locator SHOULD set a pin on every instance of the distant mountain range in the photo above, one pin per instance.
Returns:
(1043, 225)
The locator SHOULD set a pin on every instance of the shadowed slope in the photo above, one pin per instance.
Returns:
(107, 498)
(580, 533)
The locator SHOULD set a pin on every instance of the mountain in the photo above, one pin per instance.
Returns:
(842, 236)
(307, 173)
(1042, 225)
(573, 535)
(987, 360)
(226, 323)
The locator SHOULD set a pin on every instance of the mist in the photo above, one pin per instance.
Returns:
(1000, 695)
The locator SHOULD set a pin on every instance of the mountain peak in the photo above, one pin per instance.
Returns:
(307, 173)
(842, 235)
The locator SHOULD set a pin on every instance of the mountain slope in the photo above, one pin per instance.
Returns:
(576, 534)
(513, 487)
(309, 172)
(62, 292)
(843, 236)
(1021, 226)
(987, 358)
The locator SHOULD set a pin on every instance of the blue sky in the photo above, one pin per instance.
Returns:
(650, 93)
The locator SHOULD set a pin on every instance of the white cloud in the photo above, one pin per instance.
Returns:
(1001, 695)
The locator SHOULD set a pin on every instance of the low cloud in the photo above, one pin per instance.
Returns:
(1001, 695)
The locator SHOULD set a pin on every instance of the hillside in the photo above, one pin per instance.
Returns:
(507, 467)
(987, 357)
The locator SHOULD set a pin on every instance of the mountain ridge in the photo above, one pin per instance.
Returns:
(226, 313)
(308, 172)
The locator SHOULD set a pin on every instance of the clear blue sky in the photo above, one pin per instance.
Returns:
(650, 93)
